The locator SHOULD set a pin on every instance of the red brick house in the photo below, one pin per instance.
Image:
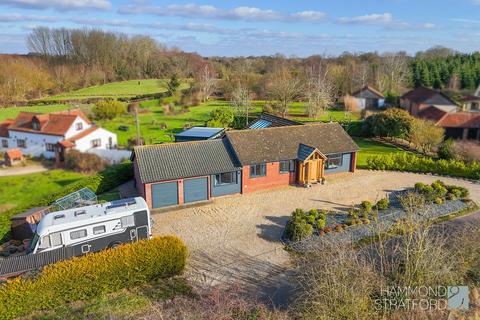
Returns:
(421, 98)
(243, 161)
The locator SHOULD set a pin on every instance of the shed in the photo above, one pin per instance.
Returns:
(369, 98)
(199, 133)
(24, 224)
(13, 157)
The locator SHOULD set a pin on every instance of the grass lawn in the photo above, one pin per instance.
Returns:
(119, 89)
(370, 148)
(22, 190)
(12, 112)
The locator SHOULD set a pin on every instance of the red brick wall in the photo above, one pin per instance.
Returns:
(273, 179)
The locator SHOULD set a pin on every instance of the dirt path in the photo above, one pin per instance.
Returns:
(17, 171)
(236, 239)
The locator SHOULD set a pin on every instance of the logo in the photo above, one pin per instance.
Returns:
(458, 298)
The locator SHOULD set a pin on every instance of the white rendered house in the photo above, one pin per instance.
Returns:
(50, 134)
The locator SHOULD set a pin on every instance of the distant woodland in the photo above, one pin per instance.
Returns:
(62, 60)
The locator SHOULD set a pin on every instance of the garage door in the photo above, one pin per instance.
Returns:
(164, 194)
(195, 190)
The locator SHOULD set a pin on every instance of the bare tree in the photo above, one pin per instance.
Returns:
(207, 81)
(393, 72)
(39, 41)
(241, 101)
(284, 87)
(319, 91)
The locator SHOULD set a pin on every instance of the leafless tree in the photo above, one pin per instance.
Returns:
(284, 87)
(319, 91)
(241, 101)
(393, 72)
(207, 81)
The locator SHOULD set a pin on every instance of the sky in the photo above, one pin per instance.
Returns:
(241, 28)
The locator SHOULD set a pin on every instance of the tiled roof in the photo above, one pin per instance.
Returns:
(304, 151)
(182, 160)
(267, 120)
(421, 94)
(460, 120)
(4, 127)
(373, 91)
(14, 153)
(282, 143)
(469, 98)
(83, 134)
(56, 123)
(432, 113)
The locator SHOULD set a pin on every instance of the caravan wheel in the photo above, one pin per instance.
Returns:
(114, 244)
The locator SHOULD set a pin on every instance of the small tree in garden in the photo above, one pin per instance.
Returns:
(83, 162)
(172, 85)
(221, 117)
(108, 109)
(393, 123)
(446, 150)
(426, 135)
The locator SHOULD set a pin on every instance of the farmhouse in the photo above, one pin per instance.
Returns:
(369, 98)
(51, 134)
(243, 161)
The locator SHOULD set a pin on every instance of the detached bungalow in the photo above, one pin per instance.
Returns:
(421, 98)
(243, 161)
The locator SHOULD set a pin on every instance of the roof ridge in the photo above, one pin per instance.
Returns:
(284, 127)
(172, 143)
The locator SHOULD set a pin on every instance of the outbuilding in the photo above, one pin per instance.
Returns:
(199, 133)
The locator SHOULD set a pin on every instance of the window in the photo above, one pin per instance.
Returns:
(45, 243)
(49, 147)
(21, 143)
(79, 126)
(56, 239)
(258, 170)
(96, 143)
(35, 125)
(98, 230)
(127, 221)
(225, 178)
(4, 143)
(287, 166)
(78, 234)
(334, 161)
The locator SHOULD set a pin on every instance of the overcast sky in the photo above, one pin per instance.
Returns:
(233, 28)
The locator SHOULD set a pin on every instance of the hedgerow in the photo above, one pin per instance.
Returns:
(89, 276)
(104, 181)
(413, 163)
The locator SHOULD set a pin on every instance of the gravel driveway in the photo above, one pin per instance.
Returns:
(236, 239)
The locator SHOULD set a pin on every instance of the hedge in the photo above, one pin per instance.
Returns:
(102, 182)
(414, 163)
(86, 277)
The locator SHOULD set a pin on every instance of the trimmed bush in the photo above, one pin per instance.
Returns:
(313, 212)
(310, 219)
(320, 224)
(297, 227)
(366, 206)
(382, 204)
(413, 163)
(89, 276)
(327, 229)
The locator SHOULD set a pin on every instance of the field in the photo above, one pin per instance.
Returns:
(12, 112)
(22, 190)
(370, 148)
(127, 89)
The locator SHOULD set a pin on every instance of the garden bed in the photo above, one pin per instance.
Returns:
(346, 225)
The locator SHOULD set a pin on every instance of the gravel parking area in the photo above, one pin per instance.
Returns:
(236, 239)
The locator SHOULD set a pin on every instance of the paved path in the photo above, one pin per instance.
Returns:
(236, 239)
(17, 171)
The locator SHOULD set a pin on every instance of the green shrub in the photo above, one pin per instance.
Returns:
(310, 219)
(414, 163)
(389, 123)
(298, 229)
(459, 192)
(323, 215)
(439, 200)
(451, 196)
(89, 276)
(320, 224)
(366, 206)
(108, 109)
(446, 150)
(382, 204)
(221, 117)
(299, 214)
(313, 212)
(364, 214)
(353, 213)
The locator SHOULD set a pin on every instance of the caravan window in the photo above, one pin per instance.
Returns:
(45, 243)
(98, 230)
(78, 234)
(127, 221)
(56, 239)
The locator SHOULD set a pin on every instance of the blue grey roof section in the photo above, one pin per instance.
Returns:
(182, 160)
(201, 132)
(260, 123)
(304, 151)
